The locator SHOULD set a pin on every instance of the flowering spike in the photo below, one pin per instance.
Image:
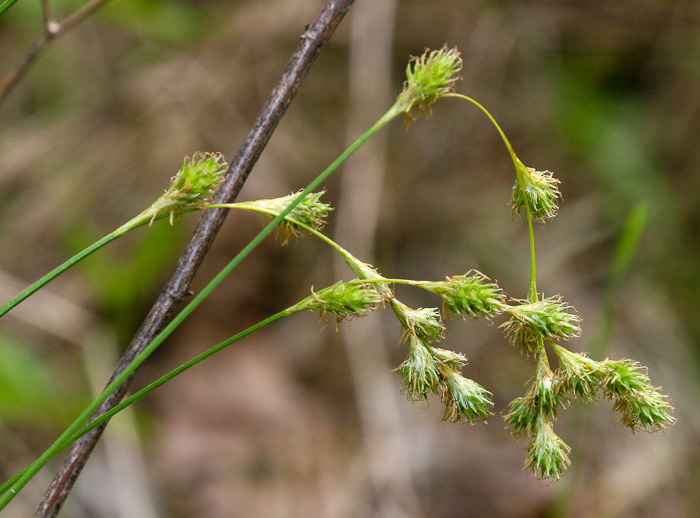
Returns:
(428, 78)
(424, 322)
(547, 454)
(342, 300)
(537, 189)
(419, 370)
(468, 295)
(310, 211)
(191, 187)
(450, 359)
(642, 406)
(580, 376)
(545, 319)
(464, 399)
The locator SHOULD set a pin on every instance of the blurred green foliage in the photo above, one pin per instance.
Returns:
(30, 394)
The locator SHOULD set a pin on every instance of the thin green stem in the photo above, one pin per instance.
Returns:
(160, 381)
(139, 221)
(175, 372)
(503, 135)
(6, 5)
(14, 479)
(36, 286)
(392, 113)
(532, 289)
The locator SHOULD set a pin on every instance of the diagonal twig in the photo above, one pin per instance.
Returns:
(52, 30)
(175, 290)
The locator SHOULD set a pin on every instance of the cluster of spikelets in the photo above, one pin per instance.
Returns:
(429, 369)
(533, 324)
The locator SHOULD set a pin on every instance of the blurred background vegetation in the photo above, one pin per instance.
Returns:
(300, 422)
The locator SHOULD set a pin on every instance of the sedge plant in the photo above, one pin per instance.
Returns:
(534, 323)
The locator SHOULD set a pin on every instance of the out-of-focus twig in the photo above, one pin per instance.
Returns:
(52, 30)
(316, 35)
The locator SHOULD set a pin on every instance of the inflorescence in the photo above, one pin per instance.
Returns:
(535, 325)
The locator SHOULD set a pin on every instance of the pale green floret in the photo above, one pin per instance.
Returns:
(542, 399)
(464, 399)
(547, 455)
(342, 300)
(367, 272)
(310, 211)
(450, 359)
(424, 322)
(642, 406)
(580, 376)
(536, 188)
(545, 392)
(545, 319)
(522, 415)
(428, 78)
(419, 370)
(624, 376)
(192, 187)
(468, 295)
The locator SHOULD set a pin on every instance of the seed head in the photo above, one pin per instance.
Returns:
(468, 295)
(537, 189)
(310, 211)
(544, 319)
(428, 78)
(547, 454)
(192, 186)
(343, 300)
(464, 399)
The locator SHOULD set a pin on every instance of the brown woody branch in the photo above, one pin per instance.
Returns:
(175, 290)
(52, 30)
